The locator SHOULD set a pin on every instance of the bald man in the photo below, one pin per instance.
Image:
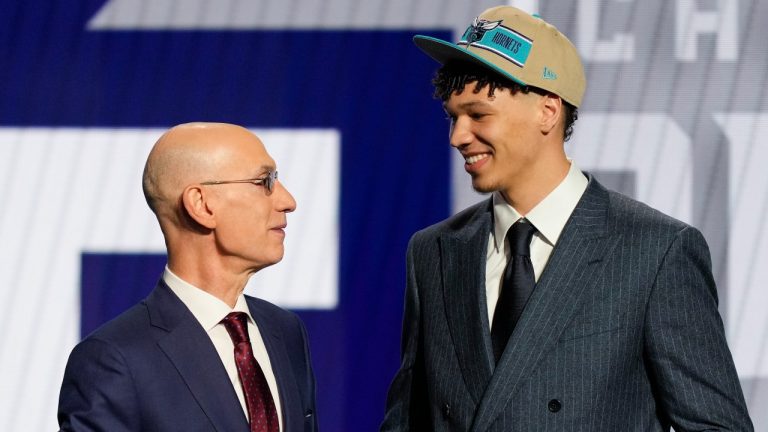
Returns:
(197, 354)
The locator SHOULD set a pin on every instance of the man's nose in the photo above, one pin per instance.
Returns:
(284, 201)
(460, 133)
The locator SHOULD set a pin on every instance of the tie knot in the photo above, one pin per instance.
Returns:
(236, 324)
(519, 237)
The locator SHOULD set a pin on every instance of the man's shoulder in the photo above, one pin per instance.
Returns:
(465, 219)
(125, 337)
(628, 213)
(130, 327)
(140, 325)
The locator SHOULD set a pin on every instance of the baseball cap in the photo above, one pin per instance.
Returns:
(519, 46)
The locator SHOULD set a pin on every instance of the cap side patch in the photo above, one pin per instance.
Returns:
(501, 40)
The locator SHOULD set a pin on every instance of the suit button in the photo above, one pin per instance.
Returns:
(446, 411)
(554, 405)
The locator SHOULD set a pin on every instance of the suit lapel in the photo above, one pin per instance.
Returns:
(280, 362)
(573, 267)
(189, 348)
(463, 268)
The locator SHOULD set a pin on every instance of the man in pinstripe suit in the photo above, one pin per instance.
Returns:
(620, 331)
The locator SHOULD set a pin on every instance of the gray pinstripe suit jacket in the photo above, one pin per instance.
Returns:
(622, 332)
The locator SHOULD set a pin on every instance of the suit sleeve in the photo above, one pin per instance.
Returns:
(408, 389)
(97, 394)
(692, 371)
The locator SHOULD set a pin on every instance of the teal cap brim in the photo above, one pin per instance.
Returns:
(444, 51)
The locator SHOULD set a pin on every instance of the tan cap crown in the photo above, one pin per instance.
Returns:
(522, 47)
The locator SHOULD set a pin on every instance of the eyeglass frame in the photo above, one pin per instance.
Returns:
(267, 181)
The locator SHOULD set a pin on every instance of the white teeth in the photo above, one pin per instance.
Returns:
(472, 159)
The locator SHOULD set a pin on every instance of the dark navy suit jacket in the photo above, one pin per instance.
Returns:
(621, 333)
(154, 368)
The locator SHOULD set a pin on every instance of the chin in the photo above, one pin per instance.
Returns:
(484, 187)
(267, 260)
(279, 256)
(276, 258)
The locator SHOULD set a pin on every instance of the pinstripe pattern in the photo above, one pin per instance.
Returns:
(622, 330)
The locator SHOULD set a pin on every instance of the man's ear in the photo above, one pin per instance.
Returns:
(195, 202)
(551, 113)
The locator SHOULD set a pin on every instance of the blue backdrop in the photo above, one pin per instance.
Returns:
(86, 86)
(372, 86)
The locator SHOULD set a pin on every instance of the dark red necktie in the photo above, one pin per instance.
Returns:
(258, 399)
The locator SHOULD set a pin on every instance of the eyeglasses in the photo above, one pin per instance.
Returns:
(267, 181)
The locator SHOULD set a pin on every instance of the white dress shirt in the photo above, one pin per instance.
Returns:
(548, 216)
(209, 311)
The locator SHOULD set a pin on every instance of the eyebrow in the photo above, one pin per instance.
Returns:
(470, 104)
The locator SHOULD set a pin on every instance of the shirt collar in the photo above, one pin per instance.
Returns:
(207, 308)
(548, 216)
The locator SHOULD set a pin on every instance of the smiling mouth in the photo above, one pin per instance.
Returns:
(476, 158)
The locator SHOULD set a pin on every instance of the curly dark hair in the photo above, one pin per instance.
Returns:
(454, 76)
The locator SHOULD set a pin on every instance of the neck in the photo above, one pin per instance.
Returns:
(528, 191)
(210, 277)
